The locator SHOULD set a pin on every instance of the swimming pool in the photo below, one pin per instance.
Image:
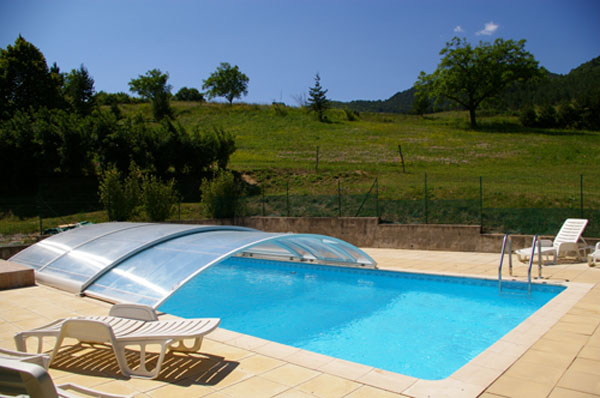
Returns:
(424, 326)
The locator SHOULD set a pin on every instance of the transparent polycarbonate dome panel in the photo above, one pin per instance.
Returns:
(152, 275)
(93, 257)
(53, 247)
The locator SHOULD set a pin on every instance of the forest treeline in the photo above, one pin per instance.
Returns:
(52, 125)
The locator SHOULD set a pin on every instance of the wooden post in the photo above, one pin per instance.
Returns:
(401, 157)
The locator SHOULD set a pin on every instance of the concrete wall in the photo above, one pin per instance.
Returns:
(369, 232)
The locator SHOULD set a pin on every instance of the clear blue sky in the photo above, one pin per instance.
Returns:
(363, 49)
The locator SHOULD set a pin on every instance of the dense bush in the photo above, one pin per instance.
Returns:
(221, 196)
(583, 114)
(58, 143)
(124, 198)
(120, 196)
(158, 198)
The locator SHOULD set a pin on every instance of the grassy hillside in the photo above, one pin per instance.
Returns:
(275, 146)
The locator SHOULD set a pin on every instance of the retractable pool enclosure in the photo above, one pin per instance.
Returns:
(146, 262)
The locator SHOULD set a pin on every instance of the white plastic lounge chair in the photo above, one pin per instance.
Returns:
(37, 359)
(122, 318)
(594, 257)
(162, 333)
(565, 243)
(121, 332)
(24, 379)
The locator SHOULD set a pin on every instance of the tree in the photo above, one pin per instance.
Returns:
(317, 100)
(470, 75)
(189, 94)
(226, 81)
(79, 91)
(153, 87)
(26, 81)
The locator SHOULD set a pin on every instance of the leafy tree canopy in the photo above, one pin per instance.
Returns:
(189, 94)
(26, 81)
(470, 75)
(153, 86)
(226, 81)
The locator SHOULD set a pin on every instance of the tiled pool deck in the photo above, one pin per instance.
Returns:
(555, 353)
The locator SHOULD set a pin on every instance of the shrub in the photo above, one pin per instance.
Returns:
(547, 117)
(528, 117)
(120, 197)
(221, 196)
(351, 115)
(158, 198)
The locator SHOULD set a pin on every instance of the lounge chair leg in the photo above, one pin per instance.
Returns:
(181, 347)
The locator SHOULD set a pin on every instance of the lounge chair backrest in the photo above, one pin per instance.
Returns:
(570, 232)
(87, 330)
(18, 377)
(133, 311)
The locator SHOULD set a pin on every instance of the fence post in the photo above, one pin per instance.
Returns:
(377, 197)
(401, 157)
(263, 201)
(339, 198)
(480, 204)
(426, 210)
(581, 193)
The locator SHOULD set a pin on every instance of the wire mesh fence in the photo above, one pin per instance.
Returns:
(497, 204)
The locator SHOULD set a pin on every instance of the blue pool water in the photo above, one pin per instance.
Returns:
(419, 325)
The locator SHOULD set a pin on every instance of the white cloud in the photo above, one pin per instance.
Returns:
(490, 28)
(458, 29)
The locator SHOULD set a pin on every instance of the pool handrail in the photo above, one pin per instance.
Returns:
(504, 242)
(539, 247)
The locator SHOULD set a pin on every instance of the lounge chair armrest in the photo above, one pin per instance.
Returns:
(546, 242)
(37, 359)
(133, 311)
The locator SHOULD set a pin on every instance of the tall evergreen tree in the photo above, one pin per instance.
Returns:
(317, 99)
(79, 90)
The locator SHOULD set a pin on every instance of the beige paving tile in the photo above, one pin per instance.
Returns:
(346, 369)
(387, 380)
(580, 381)
(559, 392)
(447, 388)
(308, 359)
(290, 375)
(590, 352)
(542, 374)
(371, 392)
(513, 387)
(254, 387)
(586, 366)
(257, 364)
(293, 393)
(327, 386)
(168, 390)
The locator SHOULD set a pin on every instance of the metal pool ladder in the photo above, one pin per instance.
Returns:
(507, 240)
